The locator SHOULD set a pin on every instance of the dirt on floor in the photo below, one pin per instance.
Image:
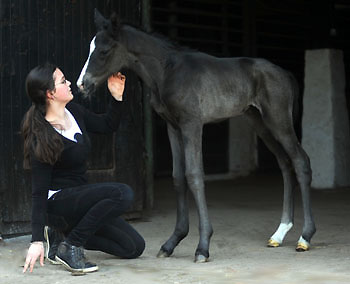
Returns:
(244, 213)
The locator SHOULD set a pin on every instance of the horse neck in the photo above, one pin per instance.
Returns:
(148, 55)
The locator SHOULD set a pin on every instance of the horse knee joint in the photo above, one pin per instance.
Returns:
(194, 180)
(178, 181)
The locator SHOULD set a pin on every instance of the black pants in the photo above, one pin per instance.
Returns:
(91, 214)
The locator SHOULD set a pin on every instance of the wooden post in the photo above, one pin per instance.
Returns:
(148, 123)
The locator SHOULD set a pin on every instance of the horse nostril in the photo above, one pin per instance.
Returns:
(81, 86)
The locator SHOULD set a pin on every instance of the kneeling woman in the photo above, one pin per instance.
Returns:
(56, 146)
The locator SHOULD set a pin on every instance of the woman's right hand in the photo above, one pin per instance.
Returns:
(36, 250)
(116, 84)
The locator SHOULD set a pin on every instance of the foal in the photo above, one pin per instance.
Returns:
(190, 89)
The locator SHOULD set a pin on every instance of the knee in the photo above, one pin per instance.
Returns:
(194, 180)
(179, 182)
(139, 248)
(128, 194)
(124, 193)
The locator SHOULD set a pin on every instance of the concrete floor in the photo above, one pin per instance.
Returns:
(244, 213)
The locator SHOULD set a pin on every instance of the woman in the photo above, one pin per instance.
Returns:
(56, 146)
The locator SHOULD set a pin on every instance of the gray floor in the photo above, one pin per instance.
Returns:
(244, 213)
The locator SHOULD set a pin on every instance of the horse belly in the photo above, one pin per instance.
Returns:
(222, 107)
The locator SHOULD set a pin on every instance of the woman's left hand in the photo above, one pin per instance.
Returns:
(116, 84)
(36, 250)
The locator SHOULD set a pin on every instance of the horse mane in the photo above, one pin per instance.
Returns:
(171, 43)
(164, 41)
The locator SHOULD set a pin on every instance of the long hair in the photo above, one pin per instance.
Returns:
(40, 139)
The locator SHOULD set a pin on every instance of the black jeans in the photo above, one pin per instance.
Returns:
(92, 216)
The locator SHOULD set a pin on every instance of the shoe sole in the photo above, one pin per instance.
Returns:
(54, 262)
(85, 270)
(46, 236)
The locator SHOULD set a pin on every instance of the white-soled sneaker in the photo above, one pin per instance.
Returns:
(73, 258)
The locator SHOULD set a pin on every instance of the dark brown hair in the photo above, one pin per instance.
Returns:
(40, 139)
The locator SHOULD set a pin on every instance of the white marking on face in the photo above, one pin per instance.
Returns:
(80, 79)
(281, 232)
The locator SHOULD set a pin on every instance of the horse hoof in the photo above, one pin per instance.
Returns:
(162, 254)
(302, 247)
(200, 259)
(273, 244)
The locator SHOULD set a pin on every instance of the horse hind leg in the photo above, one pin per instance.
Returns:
(281, 126)
(288, 174)
(180, 186)
(192, 137)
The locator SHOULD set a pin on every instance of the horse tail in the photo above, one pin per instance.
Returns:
(296, 111)
(296, 97)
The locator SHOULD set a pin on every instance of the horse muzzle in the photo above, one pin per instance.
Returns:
(87, 86)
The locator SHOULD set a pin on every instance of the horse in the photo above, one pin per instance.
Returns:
(190, 89)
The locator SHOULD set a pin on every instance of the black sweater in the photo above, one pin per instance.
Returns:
(70, 169)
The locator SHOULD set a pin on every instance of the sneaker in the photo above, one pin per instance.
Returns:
(73, 258)
(53, 239)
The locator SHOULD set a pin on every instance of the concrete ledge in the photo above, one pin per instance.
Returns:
(325, 123)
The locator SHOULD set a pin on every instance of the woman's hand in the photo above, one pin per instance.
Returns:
(36, 249)
(116, 84)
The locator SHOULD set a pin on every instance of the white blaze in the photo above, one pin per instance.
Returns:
(92, 48)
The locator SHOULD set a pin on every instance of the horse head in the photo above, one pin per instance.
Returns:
(106, 56)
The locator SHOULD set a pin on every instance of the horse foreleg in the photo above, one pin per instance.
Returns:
(180, 186)
(192, 137)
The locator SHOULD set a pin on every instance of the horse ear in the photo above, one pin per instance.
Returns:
(115, 20)
(100, 22)
(115, 25)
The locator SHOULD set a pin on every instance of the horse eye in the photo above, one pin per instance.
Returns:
(104, 51)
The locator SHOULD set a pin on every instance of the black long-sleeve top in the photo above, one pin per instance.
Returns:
(70, 169)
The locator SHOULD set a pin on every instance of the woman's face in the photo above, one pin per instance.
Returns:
(62, 90)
